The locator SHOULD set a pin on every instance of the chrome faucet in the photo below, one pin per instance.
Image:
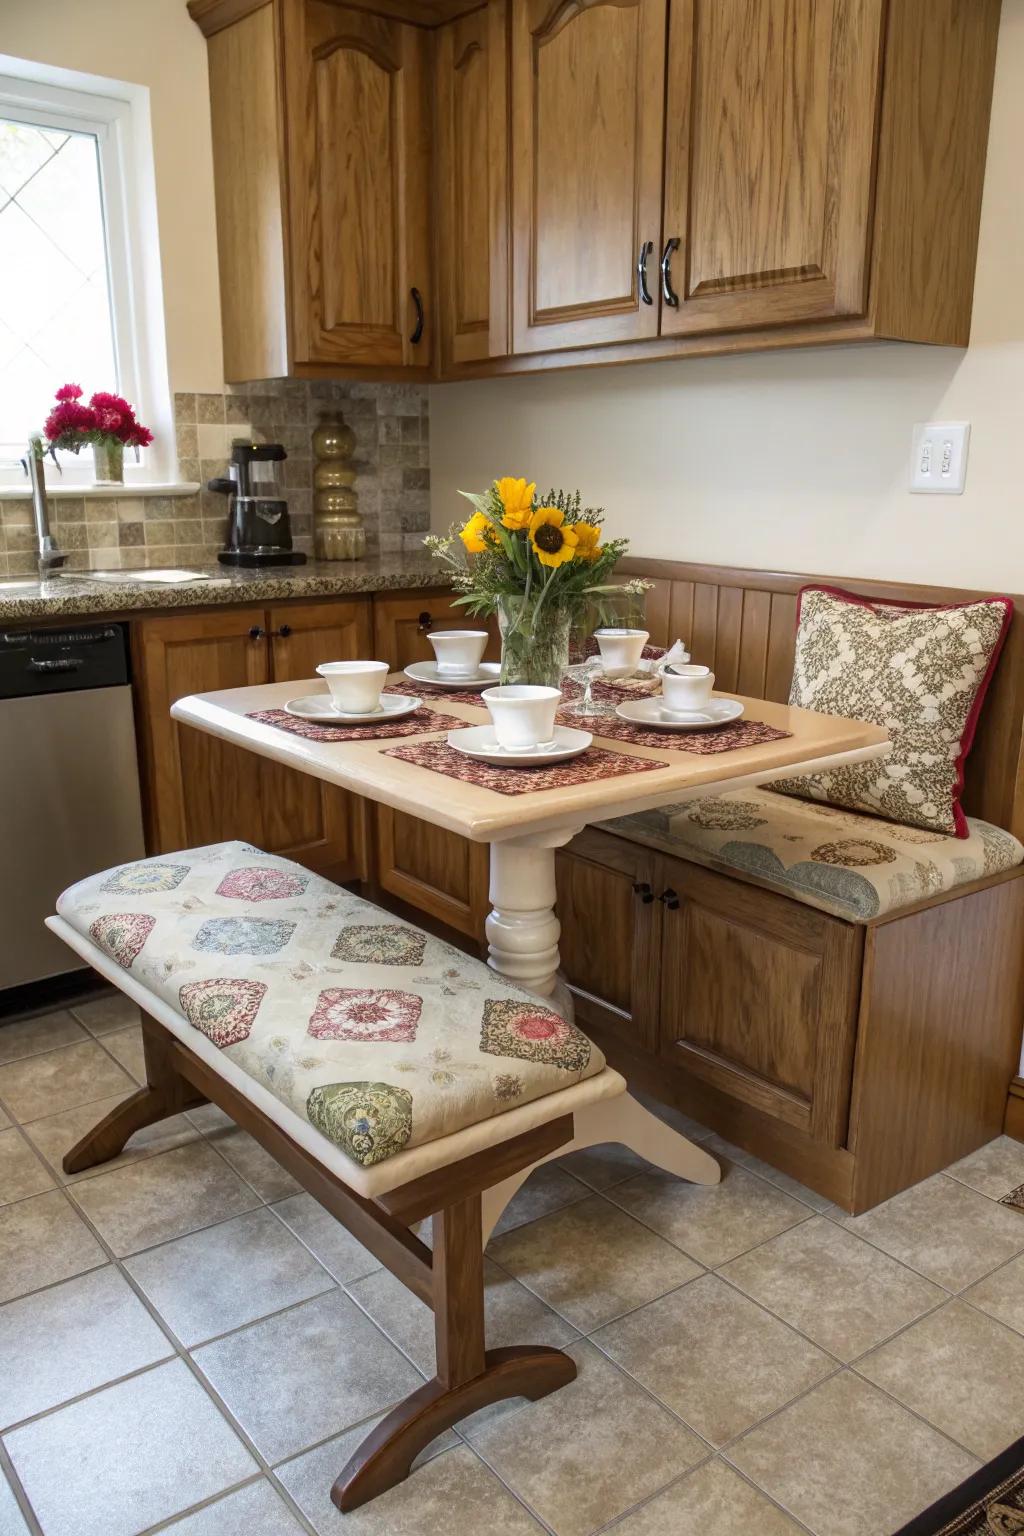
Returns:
(48, 556)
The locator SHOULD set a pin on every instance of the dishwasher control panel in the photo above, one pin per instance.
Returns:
(34, 661)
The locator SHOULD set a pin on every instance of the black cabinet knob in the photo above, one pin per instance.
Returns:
(256, 633)
(671, 899)
(425, 623)
(643, 890)
(284, 631)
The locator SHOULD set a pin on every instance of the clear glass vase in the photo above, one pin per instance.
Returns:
(534, 642)
(108, 463)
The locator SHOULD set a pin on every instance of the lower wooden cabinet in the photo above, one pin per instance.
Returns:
(746, 991)
(611, 934)
(401, 624)
(759, 997)
(434, 871)
(200, 790)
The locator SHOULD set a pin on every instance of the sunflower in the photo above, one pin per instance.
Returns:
(477, 534)
(552, 543)
(588, 540)
(517, 499)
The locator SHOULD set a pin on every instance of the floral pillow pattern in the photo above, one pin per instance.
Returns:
(376, 1033)
(921, 673)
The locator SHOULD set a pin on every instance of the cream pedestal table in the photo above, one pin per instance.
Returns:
(524, 831)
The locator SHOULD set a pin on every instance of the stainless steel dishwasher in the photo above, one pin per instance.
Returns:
(69, 781)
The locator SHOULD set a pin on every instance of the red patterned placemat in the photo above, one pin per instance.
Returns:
(440, 695)
(723, 738)
(594, 763)
(417, 724)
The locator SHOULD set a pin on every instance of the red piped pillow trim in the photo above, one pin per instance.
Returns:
(971, 724)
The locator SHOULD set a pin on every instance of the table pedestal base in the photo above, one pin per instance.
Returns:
(522, 941)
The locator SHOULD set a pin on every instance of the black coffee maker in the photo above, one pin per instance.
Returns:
(259, 532)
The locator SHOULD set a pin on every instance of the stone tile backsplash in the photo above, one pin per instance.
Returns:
(392, 463)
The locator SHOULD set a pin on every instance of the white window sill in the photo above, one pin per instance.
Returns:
(90, 491)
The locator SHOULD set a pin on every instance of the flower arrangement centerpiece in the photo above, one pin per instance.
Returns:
(108, 423)
(538, 563)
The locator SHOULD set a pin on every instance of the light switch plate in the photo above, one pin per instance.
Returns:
(938, 464)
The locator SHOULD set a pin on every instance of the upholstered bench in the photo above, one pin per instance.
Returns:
(394, 1076)
(854, 866)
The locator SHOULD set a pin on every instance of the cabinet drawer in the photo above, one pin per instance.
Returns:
(759, 998)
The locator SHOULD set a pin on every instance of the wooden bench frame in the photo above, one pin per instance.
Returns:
(450, 1279)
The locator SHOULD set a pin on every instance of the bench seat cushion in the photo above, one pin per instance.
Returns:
(380, 1036)
(857, 867)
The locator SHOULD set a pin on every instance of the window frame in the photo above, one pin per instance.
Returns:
(111, 120)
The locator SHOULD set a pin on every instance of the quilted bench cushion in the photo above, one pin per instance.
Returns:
(854, 866)
(381, 1036)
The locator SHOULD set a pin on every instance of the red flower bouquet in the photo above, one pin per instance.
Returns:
(107, 423)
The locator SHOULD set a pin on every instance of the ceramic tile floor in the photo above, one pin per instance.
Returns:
(188, 1343)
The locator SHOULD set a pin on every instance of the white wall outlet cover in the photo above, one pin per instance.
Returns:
(938, 462)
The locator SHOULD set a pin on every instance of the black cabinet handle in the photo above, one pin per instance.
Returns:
(256, 633)
(646, 247)
(668, 292)
(643, 890)
(417, 330)
(283, 632)
(671, 899)
(425, 623)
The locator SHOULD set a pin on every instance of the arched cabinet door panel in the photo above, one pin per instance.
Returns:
(358, 139)
(587, 120)
(472, 179)
(771, 128)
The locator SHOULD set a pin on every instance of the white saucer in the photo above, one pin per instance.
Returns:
(318, 707)
(486, 675)
(480, 743)
(654, 714)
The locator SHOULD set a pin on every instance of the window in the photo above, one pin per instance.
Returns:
(71, 248)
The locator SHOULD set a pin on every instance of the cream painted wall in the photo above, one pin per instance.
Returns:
(793, 460)
(150, 43)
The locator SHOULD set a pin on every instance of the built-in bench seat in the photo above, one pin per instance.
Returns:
(854, 866)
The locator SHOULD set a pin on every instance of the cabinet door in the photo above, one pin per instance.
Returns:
(328, 824)
(302, 635)
(771, 127)
(401, 626)
(473, 184)
(434, 871)
(588, 90)
(611, 934)
(200, 790)
(759, 997)
(358, 142)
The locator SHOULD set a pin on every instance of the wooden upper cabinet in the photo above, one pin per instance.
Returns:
(771, 128)
(472, 180)
(358, 154)
(588, 100)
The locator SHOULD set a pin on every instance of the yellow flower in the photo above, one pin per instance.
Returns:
(517, 499)
(552, 544)
(588, 540)
(478, 534)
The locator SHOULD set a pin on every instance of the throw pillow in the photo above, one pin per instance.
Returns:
(921, 672)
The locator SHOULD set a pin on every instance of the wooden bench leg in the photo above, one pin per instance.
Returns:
(165, 1094)
(468, 1375)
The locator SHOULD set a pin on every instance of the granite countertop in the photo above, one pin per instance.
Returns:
(66, 597)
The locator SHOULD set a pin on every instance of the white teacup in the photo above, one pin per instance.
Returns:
(355, 685)
(523, 714)
(621, 650)
(459, 651)
(687, 687)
